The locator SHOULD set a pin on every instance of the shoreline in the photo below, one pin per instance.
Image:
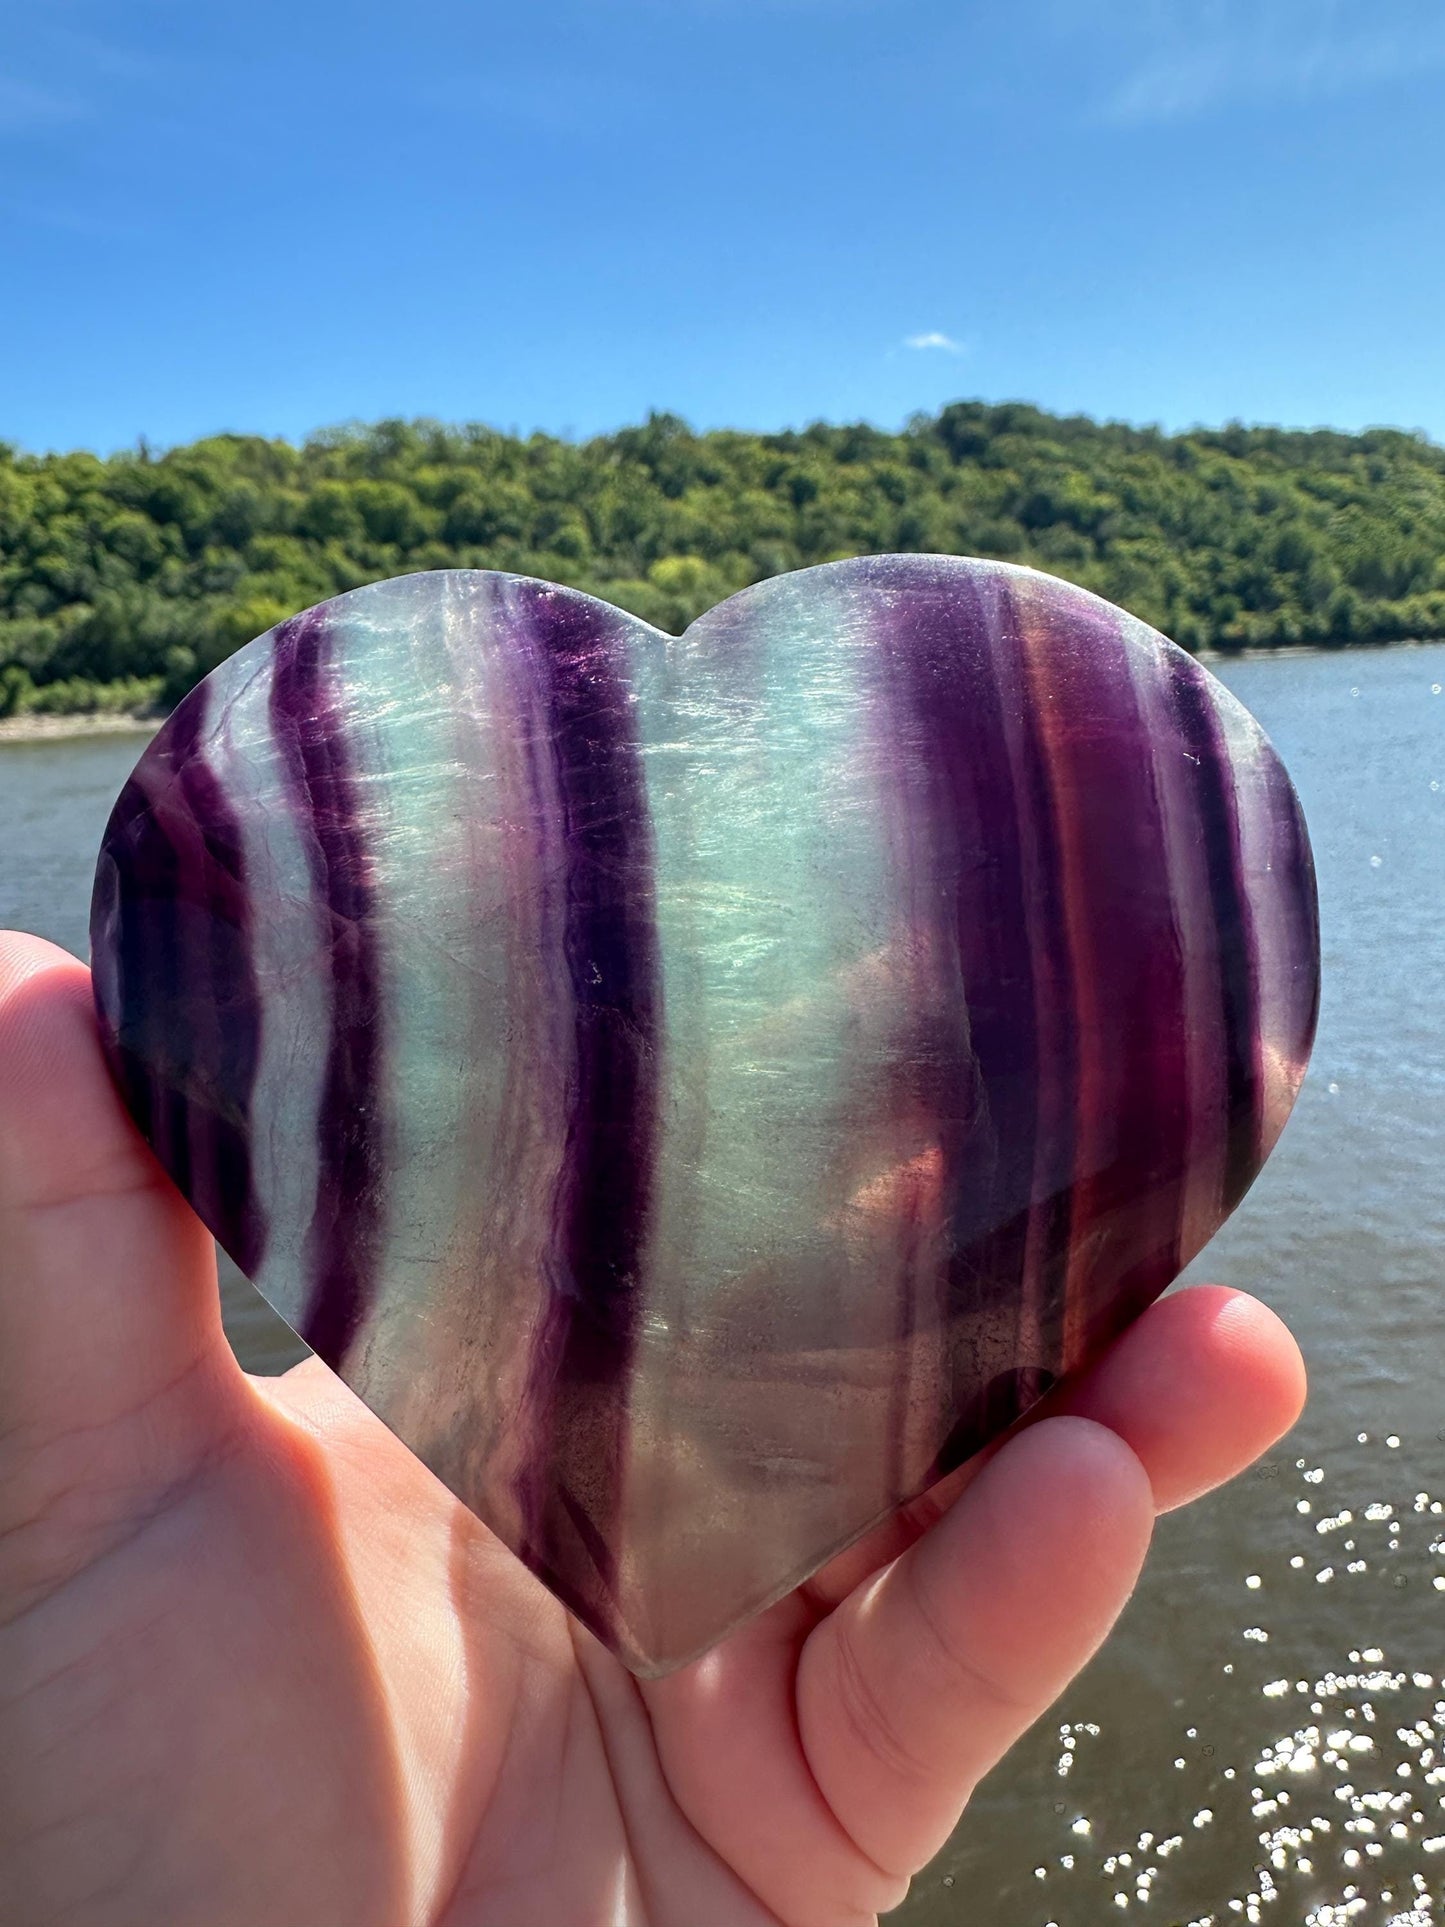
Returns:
(1276, 649)
(95, 722)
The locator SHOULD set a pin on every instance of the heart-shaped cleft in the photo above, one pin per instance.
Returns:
(698, 1090)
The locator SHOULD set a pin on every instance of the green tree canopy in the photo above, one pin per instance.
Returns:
(143, 571)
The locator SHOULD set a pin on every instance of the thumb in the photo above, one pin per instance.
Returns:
(115, 1377)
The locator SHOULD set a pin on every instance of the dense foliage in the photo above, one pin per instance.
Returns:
(138, 573)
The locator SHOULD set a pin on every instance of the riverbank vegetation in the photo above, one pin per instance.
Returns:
(125, 579)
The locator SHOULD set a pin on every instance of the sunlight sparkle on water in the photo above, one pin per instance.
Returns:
(1341, 1810)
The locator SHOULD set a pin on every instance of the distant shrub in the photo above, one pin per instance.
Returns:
(78, 696)
(16, 690)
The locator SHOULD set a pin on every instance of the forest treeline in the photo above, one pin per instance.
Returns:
(124, 579)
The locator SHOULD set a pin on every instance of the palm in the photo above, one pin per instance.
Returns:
(257, 1665)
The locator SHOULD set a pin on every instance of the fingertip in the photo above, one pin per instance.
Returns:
(1206, 1380)
(110, 1332)
(1246, 1387)
(63, 1129)
(22, 953)
(38, 982)
(1068, 1491)
(1082, 1456)
(1253, 1342)
(923, 1678)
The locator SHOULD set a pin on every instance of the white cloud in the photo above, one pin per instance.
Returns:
(1199, 54)
(933, 339)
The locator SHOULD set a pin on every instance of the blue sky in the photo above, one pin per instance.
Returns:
(562, 213)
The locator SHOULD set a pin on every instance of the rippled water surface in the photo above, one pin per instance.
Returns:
(1264, 1737)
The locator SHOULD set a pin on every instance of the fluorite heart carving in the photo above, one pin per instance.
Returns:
(697, 1090)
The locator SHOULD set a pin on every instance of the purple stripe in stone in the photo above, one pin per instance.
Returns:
(982, 1086)
(1056, 1017)
(584, 1350)
(136, 976)
(1128, 971)
(1297, 909)
(308, 724)
(171, 916)
(1215, 805)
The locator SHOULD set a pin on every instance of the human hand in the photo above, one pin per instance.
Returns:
(258, 1667)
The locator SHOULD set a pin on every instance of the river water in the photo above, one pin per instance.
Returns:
(1264, 1737)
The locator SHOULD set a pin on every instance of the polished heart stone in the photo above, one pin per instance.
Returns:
(698, 1090)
